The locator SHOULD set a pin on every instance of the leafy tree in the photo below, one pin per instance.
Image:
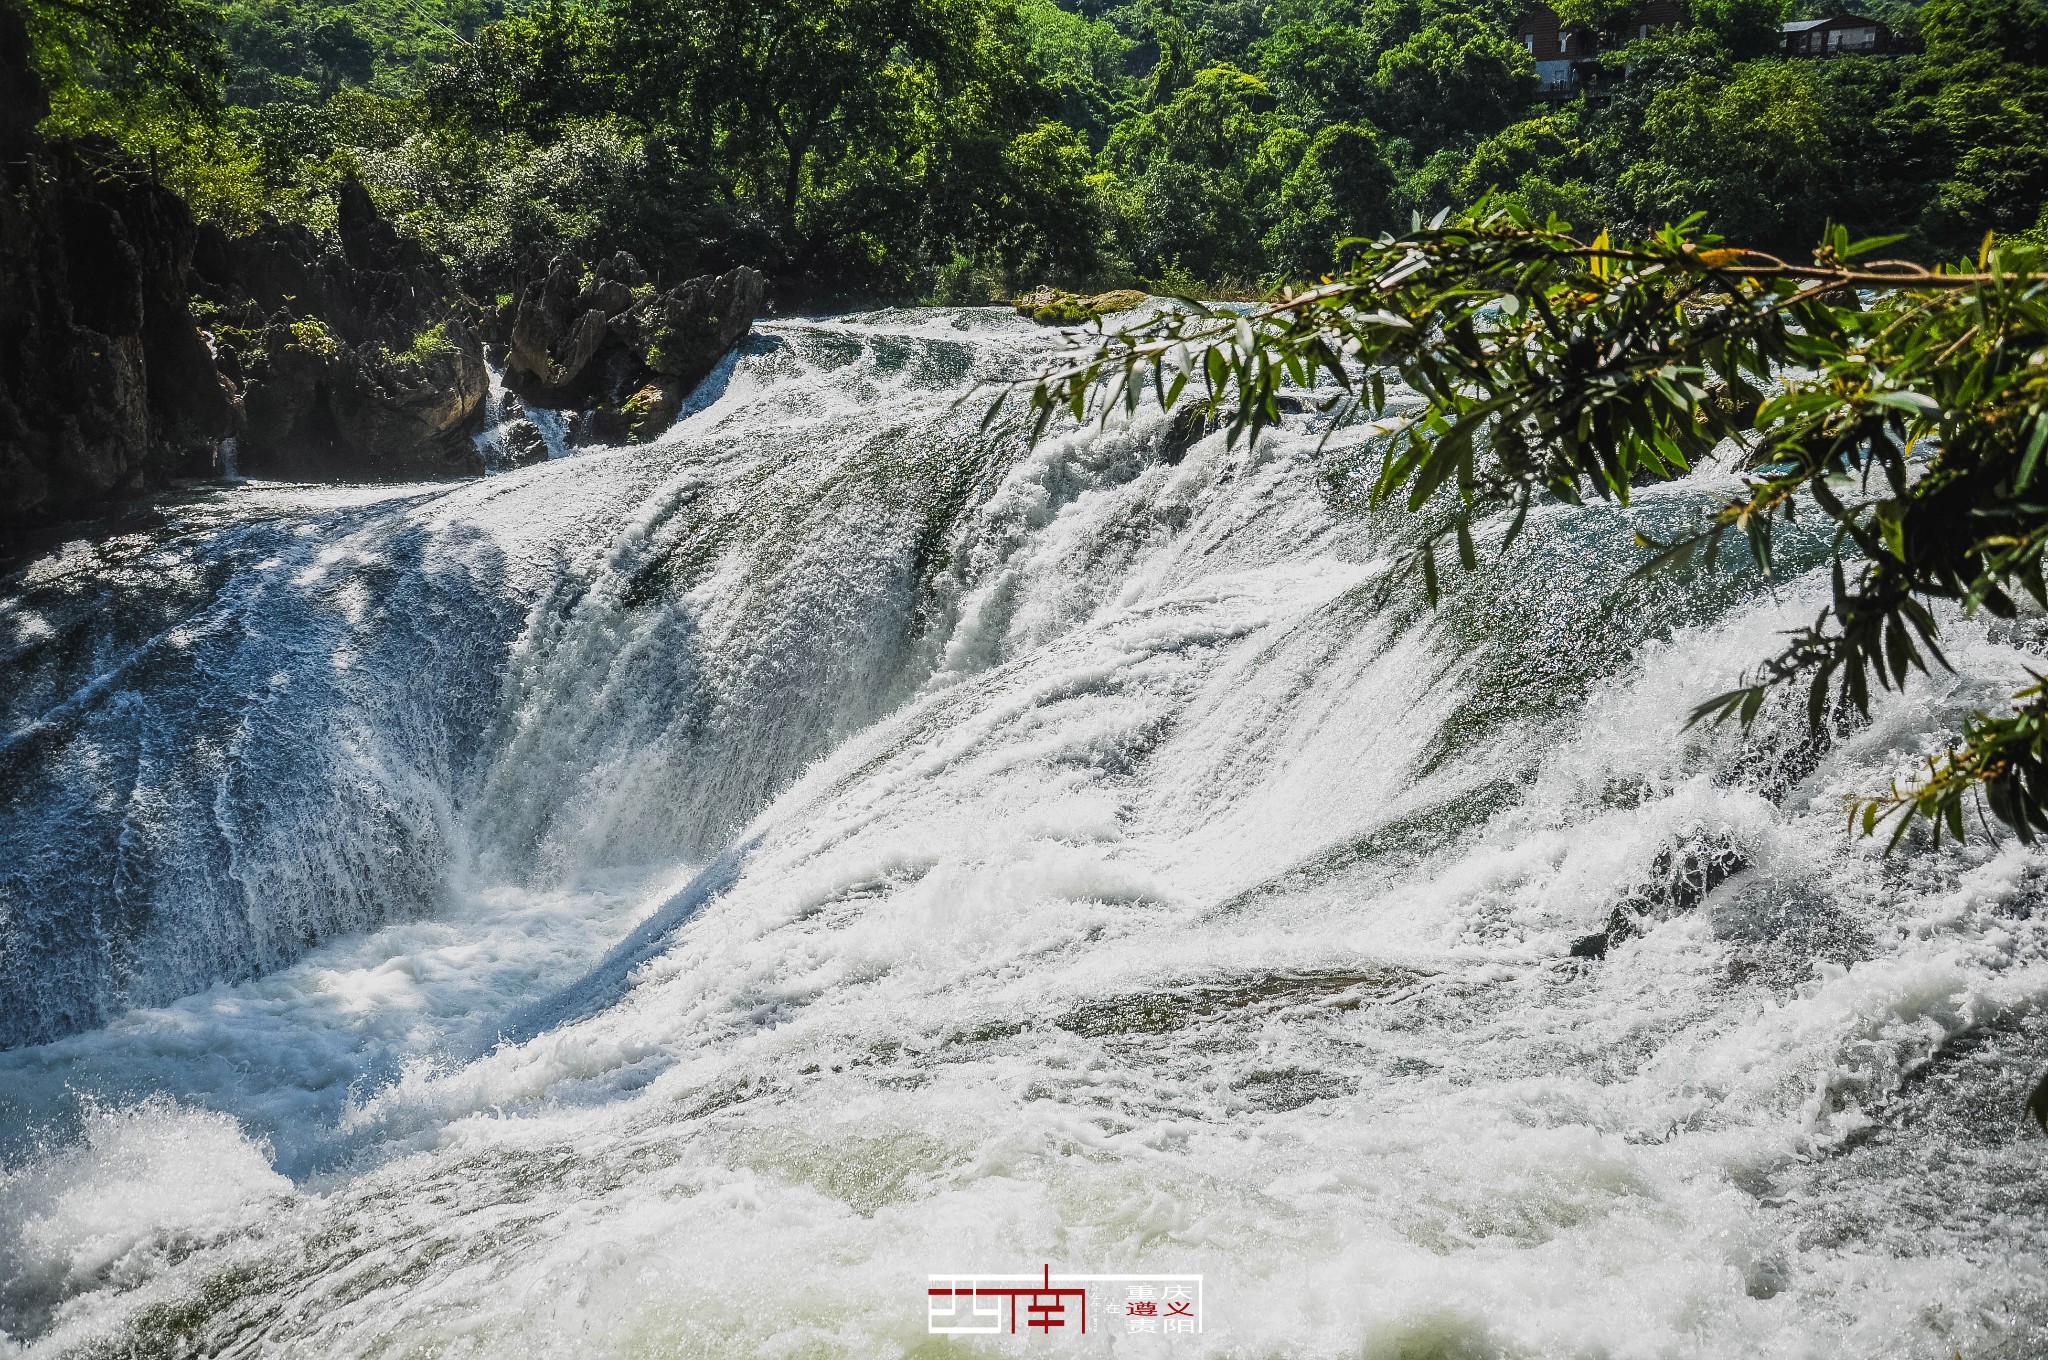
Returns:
(1048, 219)
(1542, 164)
(1459, 76)
(1430, 185)
(165, 52)
(1736, 28)
(863, 141)
(1984, 81)
(1184, 172)
(862, 145)
(145, 75)
(1767, 150)
(1342, 187)
(529, 73)
(1744, 29)
(1176, 65)
(305, 50)
(1322, 73)
(1082, 61)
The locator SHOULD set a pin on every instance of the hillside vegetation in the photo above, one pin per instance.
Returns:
(961, 149)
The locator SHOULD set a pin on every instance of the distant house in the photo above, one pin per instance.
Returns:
(1844, 33)
(1564, 53)
(1659, 16)
(1556, 48)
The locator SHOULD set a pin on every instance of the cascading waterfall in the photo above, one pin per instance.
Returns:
(668, 900)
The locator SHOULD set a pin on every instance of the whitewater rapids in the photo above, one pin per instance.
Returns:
(668, 901)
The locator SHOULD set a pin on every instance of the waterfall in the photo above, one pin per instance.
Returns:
(511, 433)
(673, 899)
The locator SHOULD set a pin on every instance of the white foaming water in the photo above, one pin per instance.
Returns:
(861, 847)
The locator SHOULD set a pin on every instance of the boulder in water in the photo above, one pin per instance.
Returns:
(1056, 307)
(523, 443)
(607, 339)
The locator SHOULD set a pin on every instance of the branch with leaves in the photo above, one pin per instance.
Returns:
(1907, 406)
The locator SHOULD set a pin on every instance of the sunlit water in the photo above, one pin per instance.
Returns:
(666, 901)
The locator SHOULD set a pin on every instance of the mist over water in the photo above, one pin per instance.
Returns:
(666, 901)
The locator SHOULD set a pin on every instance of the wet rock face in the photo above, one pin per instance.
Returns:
(350, 359)
(605, 338)
(106, 386)
(524, 443)
(355, 359)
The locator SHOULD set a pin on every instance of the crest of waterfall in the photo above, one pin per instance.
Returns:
(669, 900)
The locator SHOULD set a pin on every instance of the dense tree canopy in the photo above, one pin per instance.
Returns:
(972, 147)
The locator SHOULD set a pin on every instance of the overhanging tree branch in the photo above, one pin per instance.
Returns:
(1549, 365)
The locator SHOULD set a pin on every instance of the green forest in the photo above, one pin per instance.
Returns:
(964, 150)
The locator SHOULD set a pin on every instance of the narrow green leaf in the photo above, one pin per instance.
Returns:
(2037, 439)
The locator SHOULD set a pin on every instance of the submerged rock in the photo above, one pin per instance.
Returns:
(523, 443)
(1187, 427)
(1679, 879)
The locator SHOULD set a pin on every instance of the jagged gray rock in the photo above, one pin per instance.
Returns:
(604, 338)
(357, 359)
(354, 358)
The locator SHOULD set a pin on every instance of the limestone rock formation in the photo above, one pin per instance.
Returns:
(106, 386)
(606, 339)
(1057, 307)
(356, 359)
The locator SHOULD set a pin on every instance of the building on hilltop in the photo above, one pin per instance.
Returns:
(1837, 36)
(1565, 53)
(1658, 16)
(1558, 50)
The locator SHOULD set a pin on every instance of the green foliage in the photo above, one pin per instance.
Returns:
(1554, 367)
(429, 345)
(1186, 171)
(1046, 216)
(1342, 187)
(1322, 73)
(1056, 307)
(1984, 86)
(504, 206)
(165, 53)
(1063, 310)
(1461, 75)
(305, 50)
(311, 333)
(963, 282)
(1542, 165)
(528, 73)
(1082, 61)
(1780, 148)
(869, 146)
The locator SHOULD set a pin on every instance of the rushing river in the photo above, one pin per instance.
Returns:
(668, 901)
